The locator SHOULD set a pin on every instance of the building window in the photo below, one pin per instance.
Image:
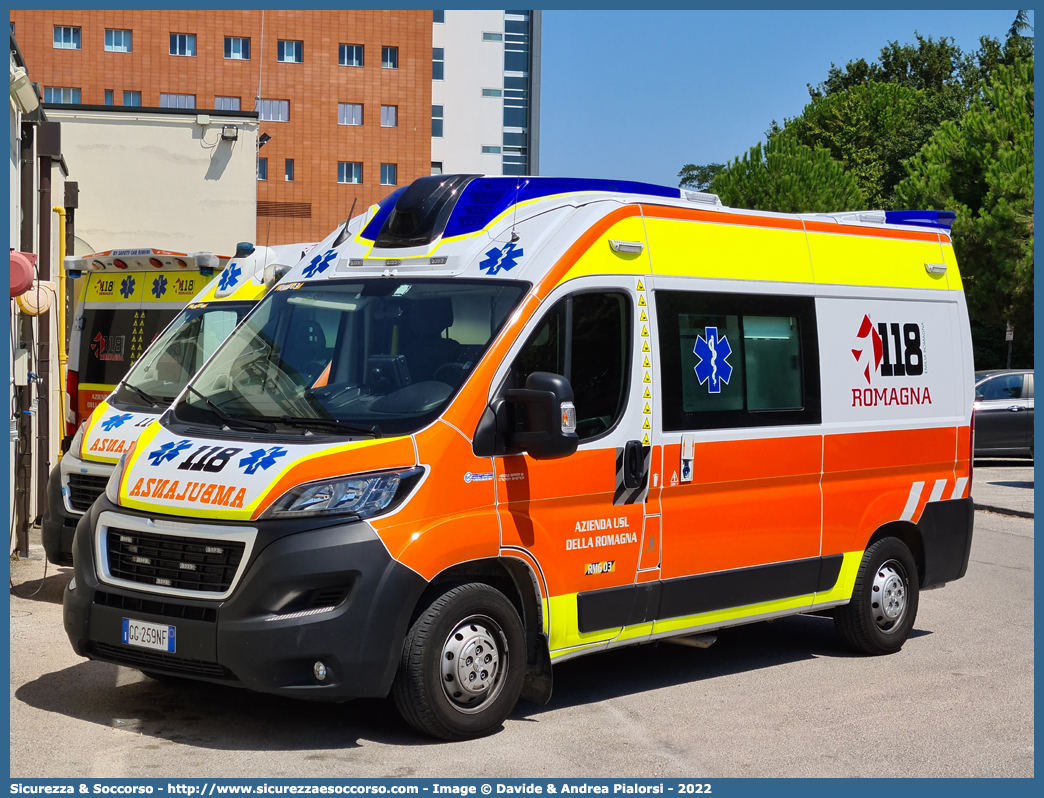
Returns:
(492, 93)
(262, 169)
(438, 63)
(109, 99)
(273, 110)
(350, 55)
(389, 58)
(177, 100)
(288, 170)
(290, 52)
(117, 41)
(436, 121)
(55, 94)
(226, 104)
(183, 44)
(66, 38)
(490, 150)
(389, 116)
(389, 174)
(492, 37)
(349, 172)
(349, 114)
(132, 98)
(436, 167)
(237, 48)
(438, 16)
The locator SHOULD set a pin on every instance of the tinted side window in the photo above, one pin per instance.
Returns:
(1007, 386)
(736, 360)
(584, 338)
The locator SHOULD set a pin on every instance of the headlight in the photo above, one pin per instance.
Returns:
(363, 495)
(112, 487)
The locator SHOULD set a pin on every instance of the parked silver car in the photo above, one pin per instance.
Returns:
(1004, 413)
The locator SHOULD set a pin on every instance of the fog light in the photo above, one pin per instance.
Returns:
(319, 669)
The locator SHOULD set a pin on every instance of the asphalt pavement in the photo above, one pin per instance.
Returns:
(781, 698)
(1003, 486)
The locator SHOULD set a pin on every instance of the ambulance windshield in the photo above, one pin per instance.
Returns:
(348, 358)
(161, 373)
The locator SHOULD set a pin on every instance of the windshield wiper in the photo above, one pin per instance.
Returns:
(152, 400)
(264, 426)
(301, 421)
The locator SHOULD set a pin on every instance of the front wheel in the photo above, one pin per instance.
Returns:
(462, 664)
(881, 614)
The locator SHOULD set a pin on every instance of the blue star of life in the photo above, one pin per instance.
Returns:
(111, 423)
(498, 259)
(168, 451)
(159, 286)
(713, 367)
(261, 458)
(320, 263)
(229, 277)
(127, 287)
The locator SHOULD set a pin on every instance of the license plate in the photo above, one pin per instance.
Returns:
(148, 635)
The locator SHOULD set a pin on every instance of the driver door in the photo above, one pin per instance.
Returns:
(575, 515)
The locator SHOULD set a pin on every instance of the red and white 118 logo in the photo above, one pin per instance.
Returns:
(905, 345)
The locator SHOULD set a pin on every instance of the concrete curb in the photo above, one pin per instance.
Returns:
(1004, 510)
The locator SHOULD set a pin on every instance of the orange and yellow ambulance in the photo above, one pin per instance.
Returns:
(128, 331)
(504, 422)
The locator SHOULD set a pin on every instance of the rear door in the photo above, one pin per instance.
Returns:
(123, 312)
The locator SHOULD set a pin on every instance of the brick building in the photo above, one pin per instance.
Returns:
(345, 95)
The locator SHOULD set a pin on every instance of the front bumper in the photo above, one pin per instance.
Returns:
(266, 636)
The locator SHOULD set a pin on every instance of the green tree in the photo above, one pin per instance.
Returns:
(785, 175)
(698, 177)
(982, 168)
(871, 128)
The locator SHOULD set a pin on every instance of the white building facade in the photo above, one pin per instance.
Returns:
(485, 97)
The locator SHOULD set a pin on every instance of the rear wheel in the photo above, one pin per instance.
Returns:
(462, 664)
(881, 614)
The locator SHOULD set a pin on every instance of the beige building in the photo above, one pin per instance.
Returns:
(166, 178)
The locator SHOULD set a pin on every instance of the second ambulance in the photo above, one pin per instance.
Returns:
(507, 422)
(163, 356)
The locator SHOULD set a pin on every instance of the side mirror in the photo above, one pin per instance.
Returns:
(539, 419)
(545, 407)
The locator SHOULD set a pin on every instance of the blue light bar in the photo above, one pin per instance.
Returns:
(940, 220)
(485, 198)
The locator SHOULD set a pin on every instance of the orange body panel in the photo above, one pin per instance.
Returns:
(451, 517)
(750, 502)
(867, 479)
(650, 557)
(562, 512)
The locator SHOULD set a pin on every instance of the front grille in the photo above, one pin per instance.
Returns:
(173, 561)
(150, 607)
(84, 489)
(154, 660)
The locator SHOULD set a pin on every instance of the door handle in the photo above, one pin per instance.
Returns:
(1015, 408)
(634, 465)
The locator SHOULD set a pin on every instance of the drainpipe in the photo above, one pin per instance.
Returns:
(63, 356)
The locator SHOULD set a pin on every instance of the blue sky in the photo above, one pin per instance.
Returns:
(635, 95)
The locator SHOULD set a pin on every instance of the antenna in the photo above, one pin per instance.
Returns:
(514, 215)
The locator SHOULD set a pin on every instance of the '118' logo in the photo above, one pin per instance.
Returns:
(899, 357)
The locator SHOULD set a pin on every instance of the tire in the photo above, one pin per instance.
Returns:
(464, 629)
(869, 624)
